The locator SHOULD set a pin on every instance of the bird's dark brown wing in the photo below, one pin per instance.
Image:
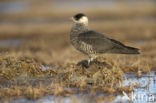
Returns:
(102, 44)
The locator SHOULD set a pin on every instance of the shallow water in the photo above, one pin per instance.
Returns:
(13, 6)
(144, 92)
(10, 43)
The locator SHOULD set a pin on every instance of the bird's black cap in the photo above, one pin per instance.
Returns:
(78, 16)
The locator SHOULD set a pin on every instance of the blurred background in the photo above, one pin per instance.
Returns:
(40, 29)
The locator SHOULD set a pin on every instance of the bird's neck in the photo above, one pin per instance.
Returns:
(79, 28)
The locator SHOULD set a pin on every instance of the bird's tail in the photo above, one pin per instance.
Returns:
(133, 50)
(130, 50)
(125, 50)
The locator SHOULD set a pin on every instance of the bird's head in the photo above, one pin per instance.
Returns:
(80, 18)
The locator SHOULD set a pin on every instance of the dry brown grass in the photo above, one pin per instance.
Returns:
(23, 77)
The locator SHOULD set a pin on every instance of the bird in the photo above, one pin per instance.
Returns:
(93, 43)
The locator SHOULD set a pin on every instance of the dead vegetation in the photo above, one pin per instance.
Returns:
(23, 77)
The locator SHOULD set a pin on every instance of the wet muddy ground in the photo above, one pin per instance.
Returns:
(38, 63)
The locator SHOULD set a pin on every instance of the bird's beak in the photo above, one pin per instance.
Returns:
(71, 18)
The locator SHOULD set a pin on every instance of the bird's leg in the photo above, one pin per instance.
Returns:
(91, 58)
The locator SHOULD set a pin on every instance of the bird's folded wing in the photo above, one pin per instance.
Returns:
(99, 42)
